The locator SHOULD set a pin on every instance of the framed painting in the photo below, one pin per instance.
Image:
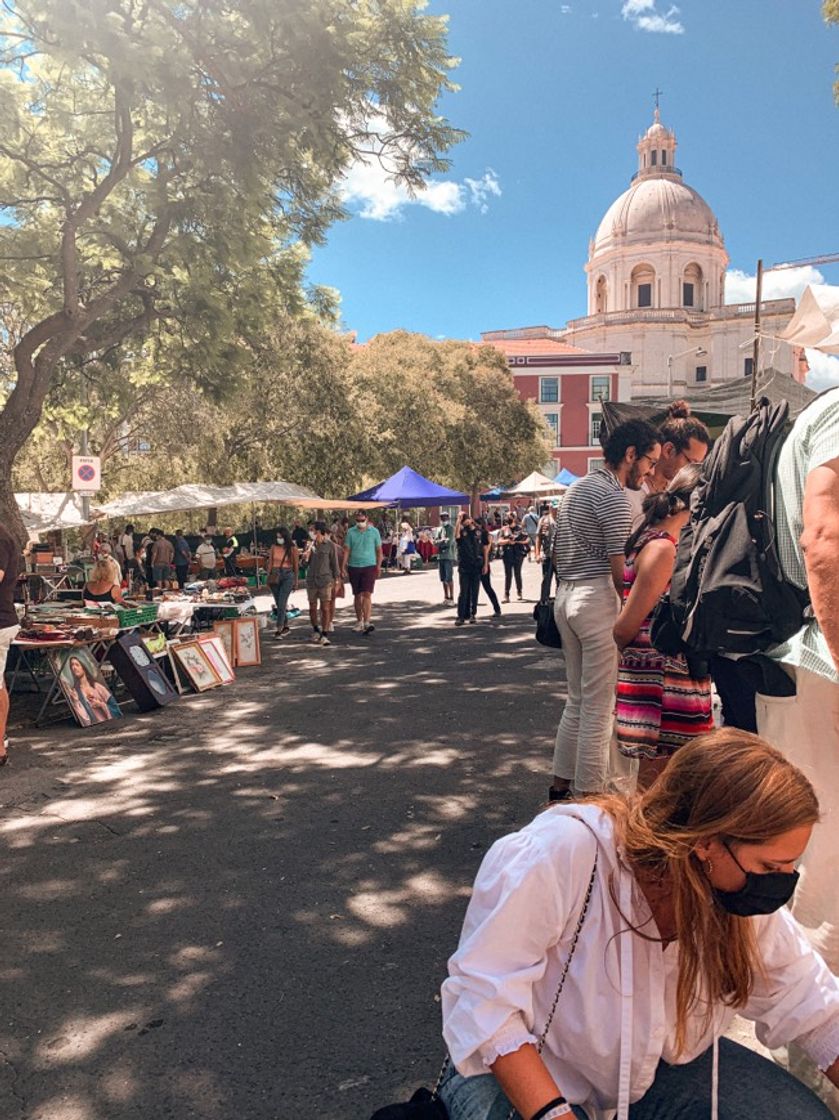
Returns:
(213, 647)
(224, 630)
(197, 666)
(83, 687)
(246, 644)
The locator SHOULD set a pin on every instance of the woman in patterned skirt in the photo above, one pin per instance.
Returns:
(660, 706)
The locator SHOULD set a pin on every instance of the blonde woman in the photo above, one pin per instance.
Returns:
(102, 586)
(681, 893)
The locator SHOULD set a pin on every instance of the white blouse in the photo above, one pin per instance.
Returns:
(617, 1012)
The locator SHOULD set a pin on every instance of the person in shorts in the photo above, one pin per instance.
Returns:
(9, 565)
(322, 573)
(362, 565)
(444, 539)
(162, 560)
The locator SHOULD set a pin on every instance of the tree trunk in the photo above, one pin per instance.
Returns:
(10, 516)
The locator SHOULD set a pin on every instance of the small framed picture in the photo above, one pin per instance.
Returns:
(246, 632)
(224, 630)
(213, 646)
(199, 669)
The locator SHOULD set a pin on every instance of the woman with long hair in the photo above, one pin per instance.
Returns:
(661, 702)
(609, 944)
(101, 586)
(90, 700)
(283, 576)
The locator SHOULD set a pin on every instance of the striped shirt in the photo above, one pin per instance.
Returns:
(592, 524)
(813, 441)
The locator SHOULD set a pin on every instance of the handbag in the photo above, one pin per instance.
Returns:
(274, 574)
(425, 1105)
(547, 631)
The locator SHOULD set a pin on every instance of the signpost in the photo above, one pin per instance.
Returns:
(87, 479)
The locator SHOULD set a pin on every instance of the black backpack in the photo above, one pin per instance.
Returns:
(728, 593)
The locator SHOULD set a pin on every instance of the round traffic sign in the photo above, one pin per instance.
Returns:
(86, 472)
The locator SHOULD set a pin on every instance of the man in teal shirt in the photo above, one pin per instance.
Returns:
(363, 565)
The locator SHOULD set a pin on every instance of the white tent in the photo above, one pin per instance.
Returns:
(42, 511)
(536, 485)
(816, 320)
(196, 496)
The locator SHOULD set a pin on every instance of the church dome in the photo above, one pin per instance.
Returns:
(655, 209)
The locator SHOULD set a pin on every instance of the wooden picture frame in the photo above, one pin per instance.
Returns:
(213, 646)
(246, 631)
(83, 686)
(224, 630)
(192, 658)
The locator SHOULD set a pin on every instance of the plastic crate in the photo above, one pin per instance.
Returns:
(138, 616)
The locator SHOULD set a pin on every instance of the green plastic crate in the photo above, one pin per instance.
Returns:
(138, 616)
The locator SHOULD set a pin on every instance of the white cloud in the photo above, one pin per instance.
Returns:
(565, 9)
(368, 189)
(824, 370)
(644, 16)
(740, 287)
(787, 283)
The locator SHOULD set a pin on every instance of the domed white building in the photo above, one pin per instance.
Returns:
(656, 289)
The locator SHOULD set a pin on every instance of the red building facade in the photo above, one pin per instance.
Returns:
(567, 385)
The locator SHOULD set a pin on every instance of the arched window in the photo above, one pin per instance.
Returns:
(643, 285)
(693, 285)
(601, 301)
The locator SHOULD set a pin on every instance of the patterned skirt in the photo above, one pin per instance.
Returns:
(660, 706)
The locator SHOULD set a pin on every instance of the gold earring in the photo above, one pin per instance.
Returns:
(709, 867)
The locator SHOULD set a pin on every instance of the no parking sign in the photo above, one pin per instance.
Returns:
(87, 473)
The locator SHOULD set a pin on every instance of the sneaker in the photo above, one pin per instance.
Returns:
(359, 628)
(285, 630)
(277, 634)
(459, 621)
(506, 599)
(520, 598)
(369, 628)
(324, 641)
(316, 635)
(473, 620)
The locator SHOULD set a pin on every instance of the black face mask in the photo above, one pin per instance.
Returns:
(760, 894)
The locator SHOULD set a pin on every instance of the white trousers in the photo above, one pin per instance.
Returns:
(585, 612)
(806, 728)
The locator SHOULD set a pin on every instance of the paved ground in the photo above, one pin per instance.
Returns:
(240, 907)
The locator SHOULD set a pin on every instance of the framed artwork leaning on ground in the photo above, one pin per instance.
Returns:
(246, 631)
(199, 669)
(84, 688)
(224, 630)
(213, 647)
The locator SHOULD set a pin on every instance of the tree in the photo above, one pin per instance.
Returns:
(156, 153)
(830, 10)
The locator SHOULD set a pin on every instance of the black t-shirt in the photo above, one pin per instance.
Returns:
(9, 565)
(470, 549)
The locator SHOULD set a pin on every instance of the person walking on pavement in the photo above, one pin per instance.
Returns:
(362, 564)
(592, 526)
(205, 556)
(406, 548)
(283, 576)
(486, 578)
(323, 571)
(530, 524)
(514, 543)
(470, 565)
(10, 557)
(183, 558)
(544, 548)
(444, 539)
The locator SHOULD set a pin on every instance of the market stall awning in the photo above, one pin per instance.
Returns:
(714, 406)
(816, 320)
(42, 511)
(566, 477)
(197, 496)
(409, 490)
(536, 485)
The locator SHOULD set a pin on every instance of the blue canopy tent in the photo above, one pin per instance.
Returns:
(410, 490)
(495, 494)
(565, 477)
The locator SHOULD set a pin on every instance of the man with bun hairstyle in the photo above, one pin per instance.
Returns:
(684, 440)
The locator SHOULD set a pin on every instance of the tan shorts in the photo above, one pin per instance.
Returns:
(7, 636)
(325, 594)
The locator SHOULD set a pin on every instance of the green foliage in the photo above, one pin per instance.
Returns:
(830, 11)
(161, 161)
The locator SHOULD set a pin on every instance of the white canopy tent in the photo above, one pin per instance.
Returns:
(196, 496)
(816, 320)
(536, 485)
(42, 511)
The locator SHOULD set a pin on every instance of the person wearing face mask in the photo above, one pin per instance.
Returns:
(205, 556)
(283, 570)
(608, 945)
(471, 561)
(592, 525)
(362, 564)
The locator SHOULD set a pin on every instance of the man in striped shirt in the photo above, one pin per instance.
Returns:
(591, 531)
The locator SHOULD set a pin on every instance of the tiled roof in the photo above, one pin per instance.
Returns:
(515, 346)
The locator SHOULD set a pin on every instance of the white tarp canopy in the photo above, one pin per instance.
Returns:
(42, 511)
(196, 496)
(536, 485)
(816, 320)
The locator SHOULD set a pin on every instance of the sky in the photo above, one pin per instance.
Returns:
(554, 97)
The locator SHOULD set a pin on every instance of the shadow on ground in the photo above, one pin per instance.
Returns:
(241, 906)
